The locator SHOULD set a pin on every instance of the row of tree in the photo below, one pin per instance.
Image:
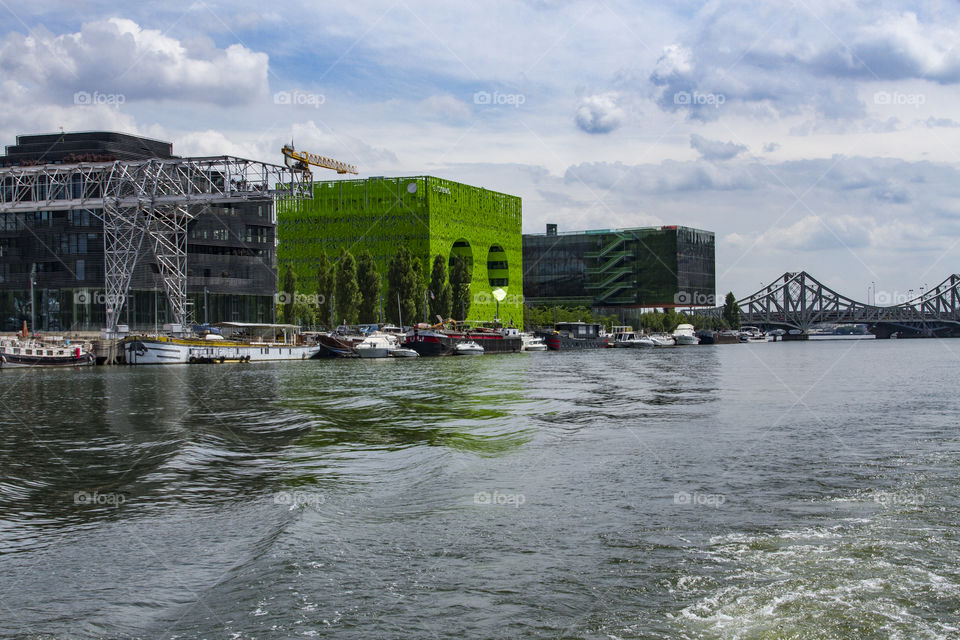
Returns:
(653, 321)
(539, 316)
(410, 299)
(347, 289)
(350, 290)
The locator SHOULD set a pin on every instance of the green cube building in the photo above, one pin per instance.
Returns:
(430, 216)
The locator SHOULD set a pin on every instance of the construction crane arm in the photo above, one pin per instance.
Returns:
(302, 160)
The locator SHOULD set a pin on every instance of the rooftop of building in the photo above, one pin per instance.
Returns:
(83, 146)
(553, 232)
(408, 177)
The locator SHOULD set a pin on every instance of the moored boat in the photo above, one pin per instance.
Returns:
(575, 335)
(662, 339)
(533, 343)
(469, 348)
(752, 334)
(248, 342)
(644, 342)
(685, 334)
(32, 352)
(625, 337)
(435, 341)
(376, 345)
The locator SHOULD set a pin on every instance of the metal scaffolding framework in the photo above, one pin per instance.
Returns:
(142, 199)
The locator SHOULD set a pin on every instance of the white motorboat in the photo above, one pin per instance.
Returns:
(376, 345)
(662, 339)
(533, 343)
(685, 334)
(752, 334)
(644, 342)
(403, 352)
(469, 348)
(625, 338)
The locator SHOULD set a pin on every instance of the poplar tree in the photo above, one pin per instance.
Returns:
(460, 286)
(419, 290)
(401, 284)
(326, 273)
(288, 293)
(442, 298)
(731, 314)
(369, 281)
(347, 290)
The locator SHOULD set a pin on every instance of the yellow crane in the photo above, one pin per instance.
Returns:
(301, 160)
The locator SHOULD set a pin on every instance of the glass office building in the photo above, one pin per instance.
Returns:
(231, 261)
(616, 268)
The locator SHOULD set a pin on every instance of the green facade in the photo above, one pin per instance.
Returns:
(428, 215)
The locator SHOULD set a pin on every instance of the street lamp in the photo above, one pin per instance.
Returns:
(33, 281)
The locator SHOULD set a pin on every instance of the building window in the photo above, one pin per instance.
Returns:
(78, 218)
(259, 235)
(80, 268)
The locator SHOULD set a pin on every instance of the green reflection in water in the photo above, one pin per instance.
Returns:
(465, 404)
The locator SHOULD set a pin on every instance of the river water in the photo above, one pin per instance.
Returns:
(783, 490)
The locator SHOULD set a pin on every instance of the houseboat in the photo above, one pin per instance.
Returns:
(575, 335)
(435, 341)
(47, 352)
(247, 342)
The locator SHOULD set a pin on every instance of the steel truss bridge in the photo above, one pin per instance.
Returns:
(798, 301)
(145, 201)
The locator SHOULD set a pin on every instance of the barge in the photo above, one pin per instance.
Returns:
(15, 353)
(568, 336)
(250, 342)
(440, 342)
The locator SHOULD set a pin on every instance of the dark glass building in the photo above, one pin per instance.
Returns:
(231, 258)
(620, 268)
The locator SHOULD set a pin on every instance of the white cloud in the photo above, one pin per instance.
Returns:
(802, 62)
(599, 113)
(715, 149)
(446, 107)
(118, 57)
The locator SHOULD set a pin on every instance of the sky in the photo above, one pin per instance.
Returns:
(817, 136)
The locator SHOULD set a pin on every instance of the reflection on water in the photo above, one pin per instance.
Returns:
(741, 491)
